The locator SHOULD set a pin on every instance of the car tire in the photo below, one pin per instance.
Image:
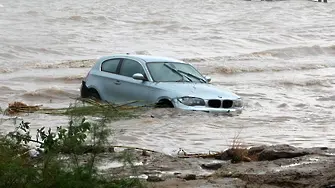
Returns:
(93, 94)
(164, 103)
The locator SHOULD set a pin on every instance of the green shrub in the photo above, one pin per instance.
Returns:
(63, 151)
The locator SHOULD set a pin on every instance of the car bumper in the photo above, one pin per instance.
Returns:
(235, 110)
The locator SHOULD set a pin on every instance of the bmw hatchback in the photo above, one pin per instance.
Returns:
(156, 80)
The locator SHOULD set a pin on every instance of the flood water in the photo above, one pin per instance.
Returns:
(279, 56)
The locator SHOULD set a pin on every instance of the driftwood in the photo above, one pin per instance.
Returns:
(19, 107)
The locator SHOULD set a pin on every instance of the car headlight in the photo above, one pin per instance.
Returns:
(238, 103)
(191, 101)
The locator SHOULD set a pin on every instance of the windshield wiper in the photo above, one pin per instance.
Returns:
(178, 72)
(194, 76)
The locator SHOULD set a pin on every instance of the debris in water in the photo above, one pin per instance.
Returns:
(20, 107)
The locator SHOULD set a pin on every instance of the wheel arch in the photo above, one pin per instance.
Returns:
(92, 88)
(164, 102)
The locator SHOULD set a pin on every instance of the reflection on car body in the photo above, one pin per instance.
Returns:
(156, 80)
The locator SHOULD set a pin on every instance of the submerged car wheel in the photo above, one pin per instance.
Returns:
(164, 103)
(93, 94)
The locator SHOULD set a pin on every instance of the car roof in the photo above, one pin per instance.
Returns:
(146, 58)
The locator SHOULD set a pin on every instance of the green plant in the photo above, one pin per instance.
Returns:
(68, 154)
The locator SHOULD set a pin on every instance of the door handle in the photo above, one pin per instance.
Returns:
(117, 82)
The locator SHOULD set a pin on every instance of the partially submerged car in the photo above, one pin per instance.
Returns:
(156, 80)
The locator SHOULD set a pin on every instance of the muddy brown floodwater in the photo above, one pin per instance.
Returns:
(278, 56)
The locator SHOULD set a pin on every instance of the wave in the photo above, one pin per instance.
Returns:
(73, 78)
(89, 17)
(70, 78)
(6, 70)
(143, 52)
(84, 63)
(313, 82)
(33, 13)
(330, 98)
(233, 70)
(48, 79)
(275, 56)
(77, 18)
(200, 62)
(274, 68)
(66, 64)
(272, 54)
(291, 52)
(148, 22)
(82, 18)
(51, 93)
(7, 90)
(274, 60)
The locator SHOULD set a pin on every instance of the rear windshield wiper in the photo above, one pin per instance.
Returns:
(178, 72)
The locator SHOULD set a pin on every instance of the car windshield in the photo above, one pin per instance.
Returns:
(174, 72)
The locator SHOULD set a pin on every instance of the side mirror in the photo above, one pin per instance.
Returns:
(208, 79)
(139, 76)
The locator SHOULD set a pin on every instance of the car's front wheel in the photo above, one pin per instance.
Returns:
(164, 103)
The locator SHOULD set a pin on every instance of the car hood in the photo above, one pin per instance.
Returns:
(201, 90)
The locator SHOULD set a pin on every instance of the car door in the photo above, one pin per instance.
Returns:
(131, 89)
(109, 80)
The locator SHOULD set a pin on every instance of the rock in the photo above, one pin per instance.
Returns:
(155, 179)
(258, 149)
(318, 150)
(223, 156)
(280, 151)
(283, 147)
(324, 148)
(211, 166)
(261, 153)
(190, 177)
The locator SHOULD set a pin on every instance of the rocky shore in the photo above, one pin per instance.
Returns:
(262, 166)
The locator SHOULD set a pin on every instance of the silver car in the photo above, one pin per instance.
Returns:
(156, 80)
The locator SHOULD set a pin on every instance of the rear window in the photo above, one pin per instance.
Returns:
(110, 65)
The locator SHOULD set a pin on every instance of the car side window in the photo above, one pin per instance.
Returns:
(130, 67)
(110, 65)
